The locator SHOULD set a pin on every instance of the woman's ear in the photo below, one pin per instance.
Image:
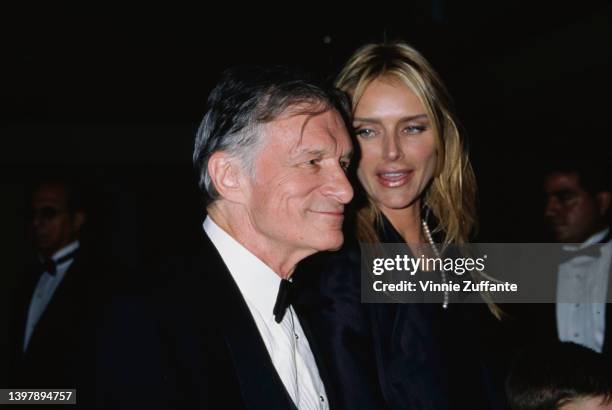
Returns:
(227, 176)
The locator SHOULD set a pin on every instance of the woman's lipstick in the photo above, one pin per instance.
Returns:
(393, 179)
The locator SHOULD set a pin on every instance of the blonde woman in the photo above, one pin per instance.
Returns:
(418, 187)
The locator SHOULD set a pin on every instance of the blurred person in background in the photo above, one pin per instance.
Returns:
(54, 305)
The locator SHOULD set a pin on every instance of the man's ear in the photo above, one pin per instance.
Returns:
(603, 202)
(226, 176)
(78, 220)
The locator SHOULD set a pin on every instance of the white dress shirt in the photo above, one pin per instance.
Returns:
(584, 280)
(45, 288)
(286, 343)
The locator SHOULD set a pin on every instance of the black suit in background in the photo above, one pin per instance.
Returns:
(189, 344)
(55, 354)
(536, 323)
(396, 356)
(531, 324)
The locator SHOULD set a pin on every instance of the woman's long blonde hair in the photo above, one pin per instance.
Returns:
(451, 194)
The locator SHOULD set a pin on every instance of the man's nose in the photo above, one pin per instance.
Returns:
(552, 207)
(37, 222)
(340, 187)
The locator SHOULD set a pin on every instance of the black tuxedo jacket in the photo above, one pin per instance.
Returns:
(395, 356)
(535, 323)
(190, 343)
(52, 359)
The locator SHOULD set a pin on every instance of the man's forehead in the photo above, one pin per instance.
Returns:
(311, 108)
(55, 193)
(562, 180)
(305, 132)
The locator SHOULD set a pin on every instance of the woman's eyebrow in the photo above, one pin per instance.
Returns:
(378, 121)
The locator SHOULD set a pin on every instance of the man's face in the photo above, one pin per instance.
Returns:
(572, 213)
(53, 227)
(297, 194)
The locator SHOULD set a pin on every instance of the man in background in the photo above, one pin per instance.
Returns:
(578, 198)
(53, 305)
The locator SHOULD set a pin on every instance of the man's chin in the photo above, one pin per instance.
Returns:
(333, 244)
(558, 233)
(42, 246)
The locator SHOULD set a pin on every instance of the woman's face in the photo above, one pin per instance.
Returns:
(398, 154)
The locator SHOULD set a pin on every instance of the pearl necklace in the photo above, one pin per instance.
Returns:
(437, 253)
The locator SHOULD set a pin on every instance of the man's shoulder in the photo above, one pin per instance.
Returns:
(341, 265)
(175, 285)
(200, 264)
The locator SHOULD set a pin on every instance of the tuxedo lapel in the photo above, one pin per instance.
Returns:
(21, 307)
(260, 385)
(51, 358)
(65, 306)
(607, 344)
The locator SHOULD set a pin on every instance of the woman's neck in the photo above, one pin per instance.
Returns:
(407, 222)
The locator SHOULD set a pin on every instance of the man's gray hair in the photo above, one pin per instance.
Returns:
(243, 101)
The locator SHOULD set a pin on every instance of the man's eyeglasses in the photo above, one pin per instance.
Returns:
(46, 213)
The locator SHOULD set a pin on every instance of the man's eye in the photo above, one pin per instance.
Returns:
(345, 165)
(364, 132)
(565, 196)
(313, 162)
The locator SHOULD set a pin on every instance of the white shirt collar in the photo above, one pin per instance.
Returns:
(257, 282)
(593, 239)
(596, 237)
(71, 247)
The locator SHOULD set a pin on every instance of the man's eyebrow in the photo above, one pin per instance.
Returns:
(378, 121)
(563, 191)
(310, 151)
(320, 153)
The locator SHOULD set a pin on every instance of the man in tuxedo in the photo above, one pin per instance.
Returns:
(50, 310)
(577, 208)
(271, 155)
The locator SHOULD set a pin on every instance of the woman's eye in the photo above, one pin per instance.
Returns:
(345, 165)
(415, 129)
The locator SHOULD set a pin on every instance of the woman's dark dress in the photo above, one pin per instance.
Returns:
(395, 356)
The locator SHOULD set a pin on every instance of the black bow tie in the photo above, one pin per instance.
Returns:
(567, 255)
(50, 266)
(283, 299)
(594, 250)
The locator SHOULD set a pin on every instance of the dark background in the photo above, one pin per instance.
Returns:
(116, 96)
